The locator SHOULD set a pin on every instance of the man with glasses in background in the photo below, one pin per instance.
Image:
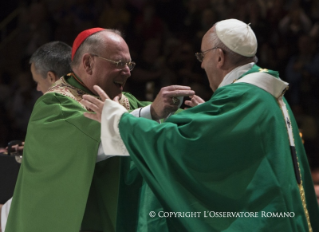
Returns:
(233, 163)
(59, 183)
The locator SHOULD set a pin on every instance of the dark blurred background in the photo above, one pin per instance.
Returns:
(163, 36)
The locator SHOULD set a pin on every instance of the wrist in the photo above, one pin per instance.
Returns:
(154, 114)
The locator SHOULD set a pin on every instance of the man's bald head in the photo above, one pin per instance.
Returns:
(94, 43)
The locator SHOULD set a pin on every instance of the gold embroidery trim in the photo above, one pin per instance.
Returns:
(65, 89)
(303, 200)
(263, 70)
(300, 186)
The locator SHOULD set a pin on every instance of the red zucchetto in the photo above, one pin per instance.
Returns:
(81, 37)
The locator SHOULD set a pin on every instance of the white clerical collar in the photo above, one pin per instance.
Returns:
(235, 73)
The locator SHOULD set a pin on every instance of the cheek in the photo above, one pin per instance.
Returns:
(44, 85)
(107, 77)
(203, 64)
(211, 79)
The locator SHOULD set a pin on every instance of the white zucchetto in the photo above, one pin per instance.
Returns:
(237, 36)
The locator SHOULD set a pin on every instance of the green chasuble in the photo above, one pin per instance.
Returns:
(59, 182)
(224, 165)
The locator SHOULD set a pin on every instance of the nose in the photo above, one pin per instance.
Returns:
(201, 65)
(126, 71)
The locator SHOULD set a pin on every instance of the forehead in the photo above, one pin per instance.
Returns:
(208, 41)
(114, 46)
(32, 67)
(34, 70)
(35, 74)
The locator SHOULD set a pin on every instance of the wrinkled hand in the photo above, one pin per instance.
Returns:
(164, 104)
(95, 104)
(195, 100)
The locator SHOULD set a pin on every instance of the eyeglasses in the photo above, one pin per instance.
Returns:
(200, 55)
(119, 64)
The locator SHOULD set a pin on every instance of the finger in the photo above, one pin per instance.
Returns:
(176, 87)
(191, 103)
(101, 92)
(92, 116)
(93, 100)
(180, 93)
(194, 103)
(116, 99)
(91, 106)
(188, 103)
(90, 98)
(197, 99)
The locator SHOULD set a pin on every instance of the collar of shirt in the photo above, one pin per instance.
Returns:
(235, 73)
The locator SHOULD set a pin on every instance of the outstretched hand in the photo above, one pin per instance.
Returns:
(95, 104)
(167, 102)
(195, 100)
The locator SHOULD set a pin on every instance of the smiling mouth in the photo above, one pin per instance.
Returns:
(120, 85)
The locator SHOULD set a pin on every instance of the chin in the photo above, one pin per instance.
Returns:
(119, 95)
(115, 95)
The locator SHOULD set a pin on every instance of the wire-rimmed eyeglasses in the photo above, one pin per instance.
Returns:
(119, 64)
(200, 55)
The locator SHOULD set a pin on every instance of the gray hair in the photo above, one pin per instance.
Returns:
(52, 57)
(234, 58)
(91, 44)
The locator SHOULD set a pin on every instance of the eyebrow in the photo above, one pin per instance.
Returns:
(120, 59)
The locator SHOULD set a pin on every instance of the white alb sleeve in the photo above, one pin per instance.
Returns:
(144, 112)
(110, 134)
(5, 213)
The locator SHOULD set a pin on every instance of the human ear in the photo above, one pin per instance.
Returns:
(221, 58)
(87, 63)
(52, 77)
